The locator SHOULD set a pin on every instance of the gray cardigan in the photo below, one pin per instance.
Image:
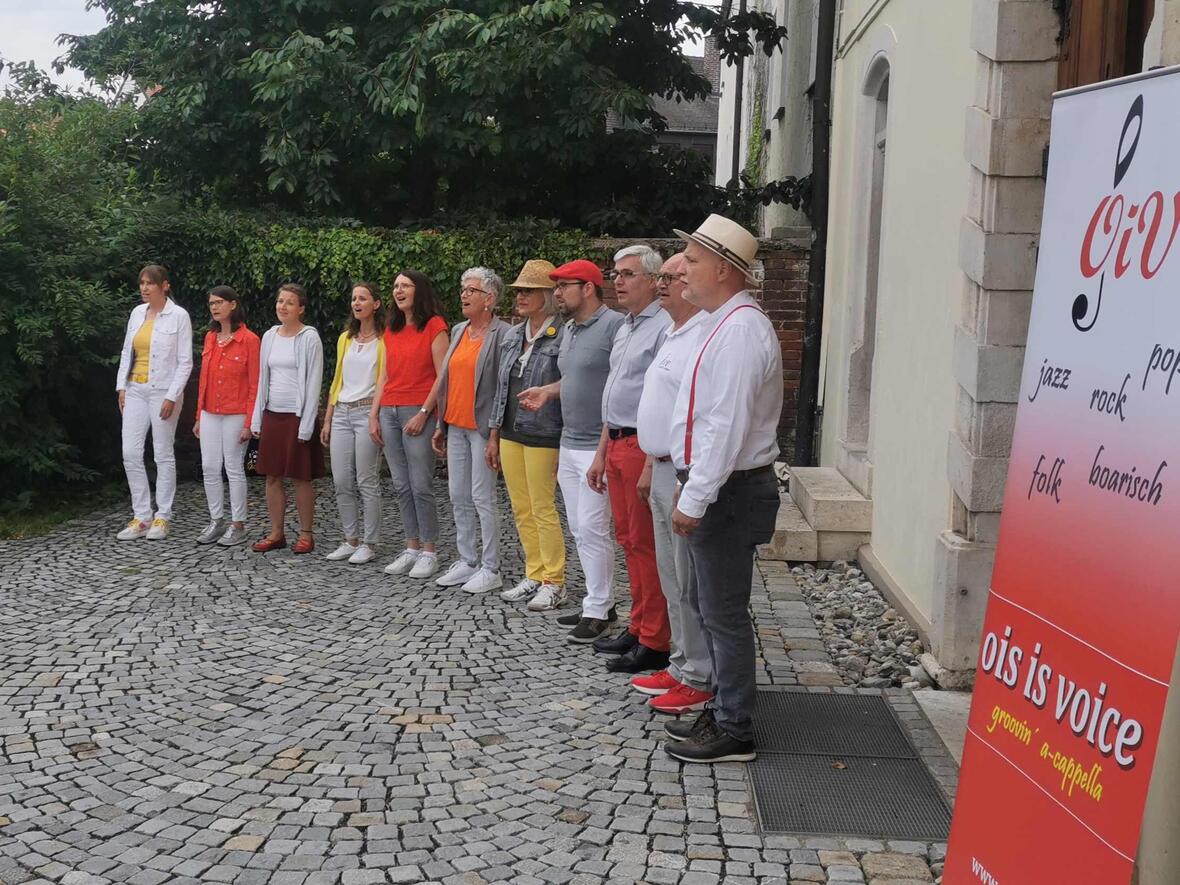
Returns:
(486, 374)
(309, 363)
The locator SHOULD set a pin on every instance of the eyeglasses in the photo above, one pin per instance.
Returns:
(663, 279)
(217, 302)
(561, 284)
(626, 275)
(471, 290)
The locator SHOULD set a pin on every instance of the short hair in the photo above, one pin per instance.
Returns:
(354, 325)
(297, 290)
(237, 316)
(154, 273)
(488, 277)
(649, 258)
(550, 306)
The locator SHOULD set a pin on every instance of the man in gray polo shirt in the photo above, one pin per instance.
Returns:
(584, 363)
(620, 462)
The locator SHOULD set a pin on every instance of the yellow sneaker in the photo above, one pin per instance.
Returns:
(158, 531)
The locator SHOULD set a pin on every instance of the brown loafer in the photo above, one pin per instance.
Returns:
(303, 545)
(266, 545)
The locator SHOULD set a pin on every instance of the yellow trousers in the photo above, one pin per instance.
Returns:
(530, 474)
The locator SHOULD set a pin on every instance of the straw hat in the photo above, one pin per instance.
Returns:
(727, 239)
(534, 275)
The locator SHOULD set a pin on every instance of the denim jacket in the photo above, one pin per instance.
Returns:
(541, 369)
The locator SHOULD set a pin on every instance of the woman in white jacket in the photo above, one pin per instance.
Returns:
(290, 378)
(154, 366)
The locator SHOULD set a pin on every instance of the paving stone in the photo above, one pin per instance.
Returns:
(172, 713)
(891, 865)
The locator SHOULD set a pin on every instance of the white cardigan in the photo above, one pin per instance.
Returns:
(171, 359)
(309, 366)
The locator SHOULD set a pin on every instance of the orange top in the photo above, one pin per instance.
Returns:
(409, 363)
(461, 384)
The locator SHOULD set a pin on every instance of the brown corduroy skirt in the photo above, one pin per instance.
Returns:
(282, 453)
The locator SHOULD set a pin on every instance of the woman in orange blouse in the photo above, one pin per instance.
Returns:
(225, 404)
(466, 391)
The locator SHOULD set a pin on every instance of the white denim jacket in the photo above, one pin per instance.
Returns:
(171, 359)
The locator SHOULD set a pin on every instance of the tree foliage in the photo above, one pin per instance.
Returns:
(390, 110)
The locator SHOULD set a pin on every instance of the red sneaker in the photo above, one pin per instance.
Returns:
(656, 684)
(681, 699)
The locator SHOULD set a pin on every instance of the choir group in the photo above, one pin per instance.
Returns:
(660, 417)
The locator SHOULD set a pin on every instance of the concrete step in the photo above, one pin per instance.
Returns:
(794, 540)
(828, 501)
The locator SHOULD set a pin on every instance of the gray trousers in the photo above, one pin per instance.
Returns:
(472, 485)
(411, 467)
(690, 662)
(722, 549)
(356, 467)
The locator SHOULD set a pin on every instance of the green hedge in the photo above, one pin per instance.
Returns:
(255, 254)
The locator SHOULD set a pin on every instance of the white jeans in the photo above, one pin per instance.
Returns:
(221, 445)
(588, 515)
(356, 467)
(141, 412)
(472, 485)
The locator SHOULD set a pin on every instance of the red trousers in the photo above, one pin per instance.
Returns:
(634, 532)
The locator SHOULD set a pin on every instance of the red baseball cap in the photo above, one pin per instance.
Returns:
(580, 269)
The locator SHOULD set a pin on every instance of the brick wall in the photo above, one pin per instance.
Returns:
(783, 297)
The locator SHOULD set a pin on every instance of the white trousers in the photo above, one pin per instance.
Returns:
(221, 446)
(588, 515)
(141, 412)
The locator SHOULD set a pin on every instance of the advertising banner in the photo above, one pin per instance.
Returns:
(1084, 612)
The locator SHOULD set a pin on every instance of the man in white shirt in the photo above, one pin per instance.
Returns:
(687, 683)
(724, 443)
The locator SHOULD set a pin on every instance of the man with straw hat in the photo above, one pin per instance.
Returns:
(724, 443)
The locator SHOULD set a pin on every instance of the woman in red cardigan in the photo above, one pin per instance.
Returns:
(225, 401)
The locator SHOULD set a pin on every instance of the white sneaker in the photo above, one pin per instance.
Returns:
(137, 528)
(426, 565)
(212, 532)
(403, 563)
(159, 530)
(363, 554)
(527, 587)
(483, 581)
(344, 551)
(549, 597)
(459, 573)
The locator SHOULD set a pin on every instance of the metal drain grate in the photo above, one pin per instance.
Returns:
(841, 765)
(836, 724)
(880, 798)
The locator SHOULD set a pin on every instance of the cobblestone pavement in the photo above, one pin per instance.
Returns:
(174, 713)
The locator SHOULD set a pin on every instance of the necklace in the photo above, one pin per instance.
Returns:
(224, 339)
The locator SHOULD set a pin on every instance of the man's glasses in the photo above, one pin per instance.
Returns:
(625, 275)
(561, 284)
(664, 279)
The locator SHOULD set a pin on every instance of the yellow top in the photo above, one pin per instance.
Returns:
(142, 345)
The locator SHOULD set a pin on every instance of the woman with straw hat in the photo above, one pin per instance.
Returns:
(524, 444)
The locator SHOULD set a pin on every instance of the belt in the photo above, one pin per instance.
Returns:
(682, 475)
(664, 459)
(620, 432)
(356, 404)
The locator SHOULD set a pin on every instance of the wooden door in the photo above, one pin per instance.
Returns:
(1103, 40)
